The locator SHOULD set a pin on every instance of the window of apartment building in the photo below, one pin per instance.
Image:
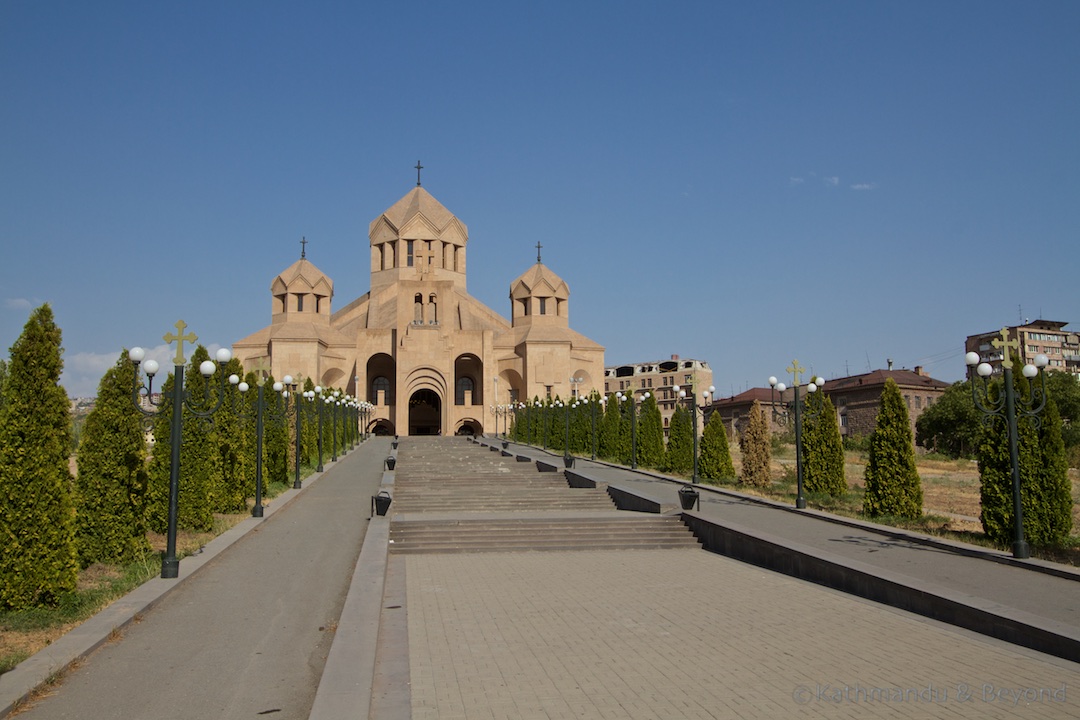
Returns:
(642, 382)
(918, 403)
(907, 400)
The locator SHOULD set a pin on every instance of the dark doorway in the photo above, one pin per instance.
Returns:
(425, 413)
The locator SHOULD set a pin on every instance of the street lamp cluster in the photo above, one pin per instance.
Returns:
(348, 410)
(794, 412)
(179, 399)
(1010, 407)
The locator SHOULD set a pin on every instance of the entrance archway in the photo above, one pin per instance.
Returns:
(425, 413)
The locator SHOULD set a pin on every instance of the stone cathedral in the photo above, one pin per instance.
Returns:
(430, 357)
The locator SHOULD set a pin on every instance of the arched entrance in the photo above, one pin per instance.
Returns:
(382, 427)
(425, 413)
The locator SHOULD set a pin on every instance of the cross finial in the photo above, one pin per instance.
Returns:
(1004, 344)
(261, 369)
(538, 246)
(179, 338)
(796, 369)
(303, 248)
(419, 167)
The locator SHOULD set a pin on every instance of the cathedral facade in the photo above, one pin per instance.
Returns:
(430, 358)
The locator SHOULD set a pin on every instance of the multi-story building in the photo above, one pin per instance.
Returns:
(856, 399)
(660, 378)
(1038, 337)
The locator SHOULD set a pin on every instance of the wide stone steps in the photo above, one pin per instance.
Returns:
(540, 534)
(452, 496)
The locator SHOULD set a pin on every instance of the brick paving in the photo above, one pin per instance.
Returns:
(690, 634)
(683, 633)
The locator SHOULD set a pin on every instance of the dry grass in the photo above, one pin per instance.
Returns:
(18, 644)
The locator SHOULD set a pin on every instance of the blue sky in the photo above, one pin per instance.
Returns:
(745, 183)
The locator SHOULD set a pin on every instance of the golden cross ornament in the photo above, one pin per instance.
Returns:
(261, 369)
(179, 338)
(796, 369)
(1004, 344)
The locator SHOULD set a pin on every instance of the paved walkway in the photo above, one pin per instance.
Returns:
(689, 634)
(248, 634)
(564, 634)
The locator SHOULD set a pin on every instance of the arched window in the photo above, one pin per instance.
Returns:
(380, 385)
(434, 312)
(464, 385)
(418, 309)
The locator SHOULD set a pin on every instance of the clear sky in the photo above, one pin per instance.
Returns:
(744, 183)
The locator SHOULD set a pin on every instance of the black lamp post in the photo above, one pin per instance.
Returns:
(319, 400)
(1010, 408)
(332, 400)
(261, 412)
(797, 410)
(634, 400)
(593, 402)
(693, 419)
(291, 387)
(170, 564)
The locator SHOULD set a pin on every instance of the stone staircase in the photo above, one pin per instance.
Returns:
(451, 495)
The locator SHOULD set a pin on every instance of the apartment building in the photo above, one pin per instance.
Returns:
(1038, 337)
(660, 378)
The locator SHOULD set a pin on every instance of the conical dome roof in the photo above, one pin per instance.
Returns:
(419, 215)
(539, 279)
(302, 274)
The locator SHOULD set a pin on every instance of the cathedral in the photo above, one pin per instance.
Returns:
(429, 357)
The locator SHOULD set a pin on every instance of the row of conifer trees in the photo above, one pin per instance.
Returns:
(892, 484)
(54, 522)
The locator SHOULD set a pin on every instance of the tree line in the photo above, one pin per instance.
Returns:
(54, 522)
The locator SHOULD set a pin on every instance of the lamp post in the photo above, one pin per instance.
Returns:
(1010, 408)
(291, 385)
(634, 400)
(170, 564)
(693, 419)
(319, 400)
(796, 407)
(593, 402)
(260, 414)
(567, 458)
(332, 401)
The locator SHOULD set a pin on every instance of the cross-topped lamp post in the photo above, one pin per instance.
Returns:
(1010, 408)
(796, 409)
(170, 564)
(259, 414)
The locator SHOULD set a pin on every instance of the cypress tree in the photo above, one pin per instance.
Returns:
(823, 450)
(756, 447)
(650, 434)
(1054, 495)
(110, 488)
(1044, 487)
(276, 434)
(37, 525)
(227, 486)
(715, 461)
(680, 448)
(611, 429)
(892, 481)
(197, 454)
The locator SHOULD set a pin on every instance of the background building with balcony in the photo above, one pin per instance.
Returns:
(660, 378)
(1037, 337)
